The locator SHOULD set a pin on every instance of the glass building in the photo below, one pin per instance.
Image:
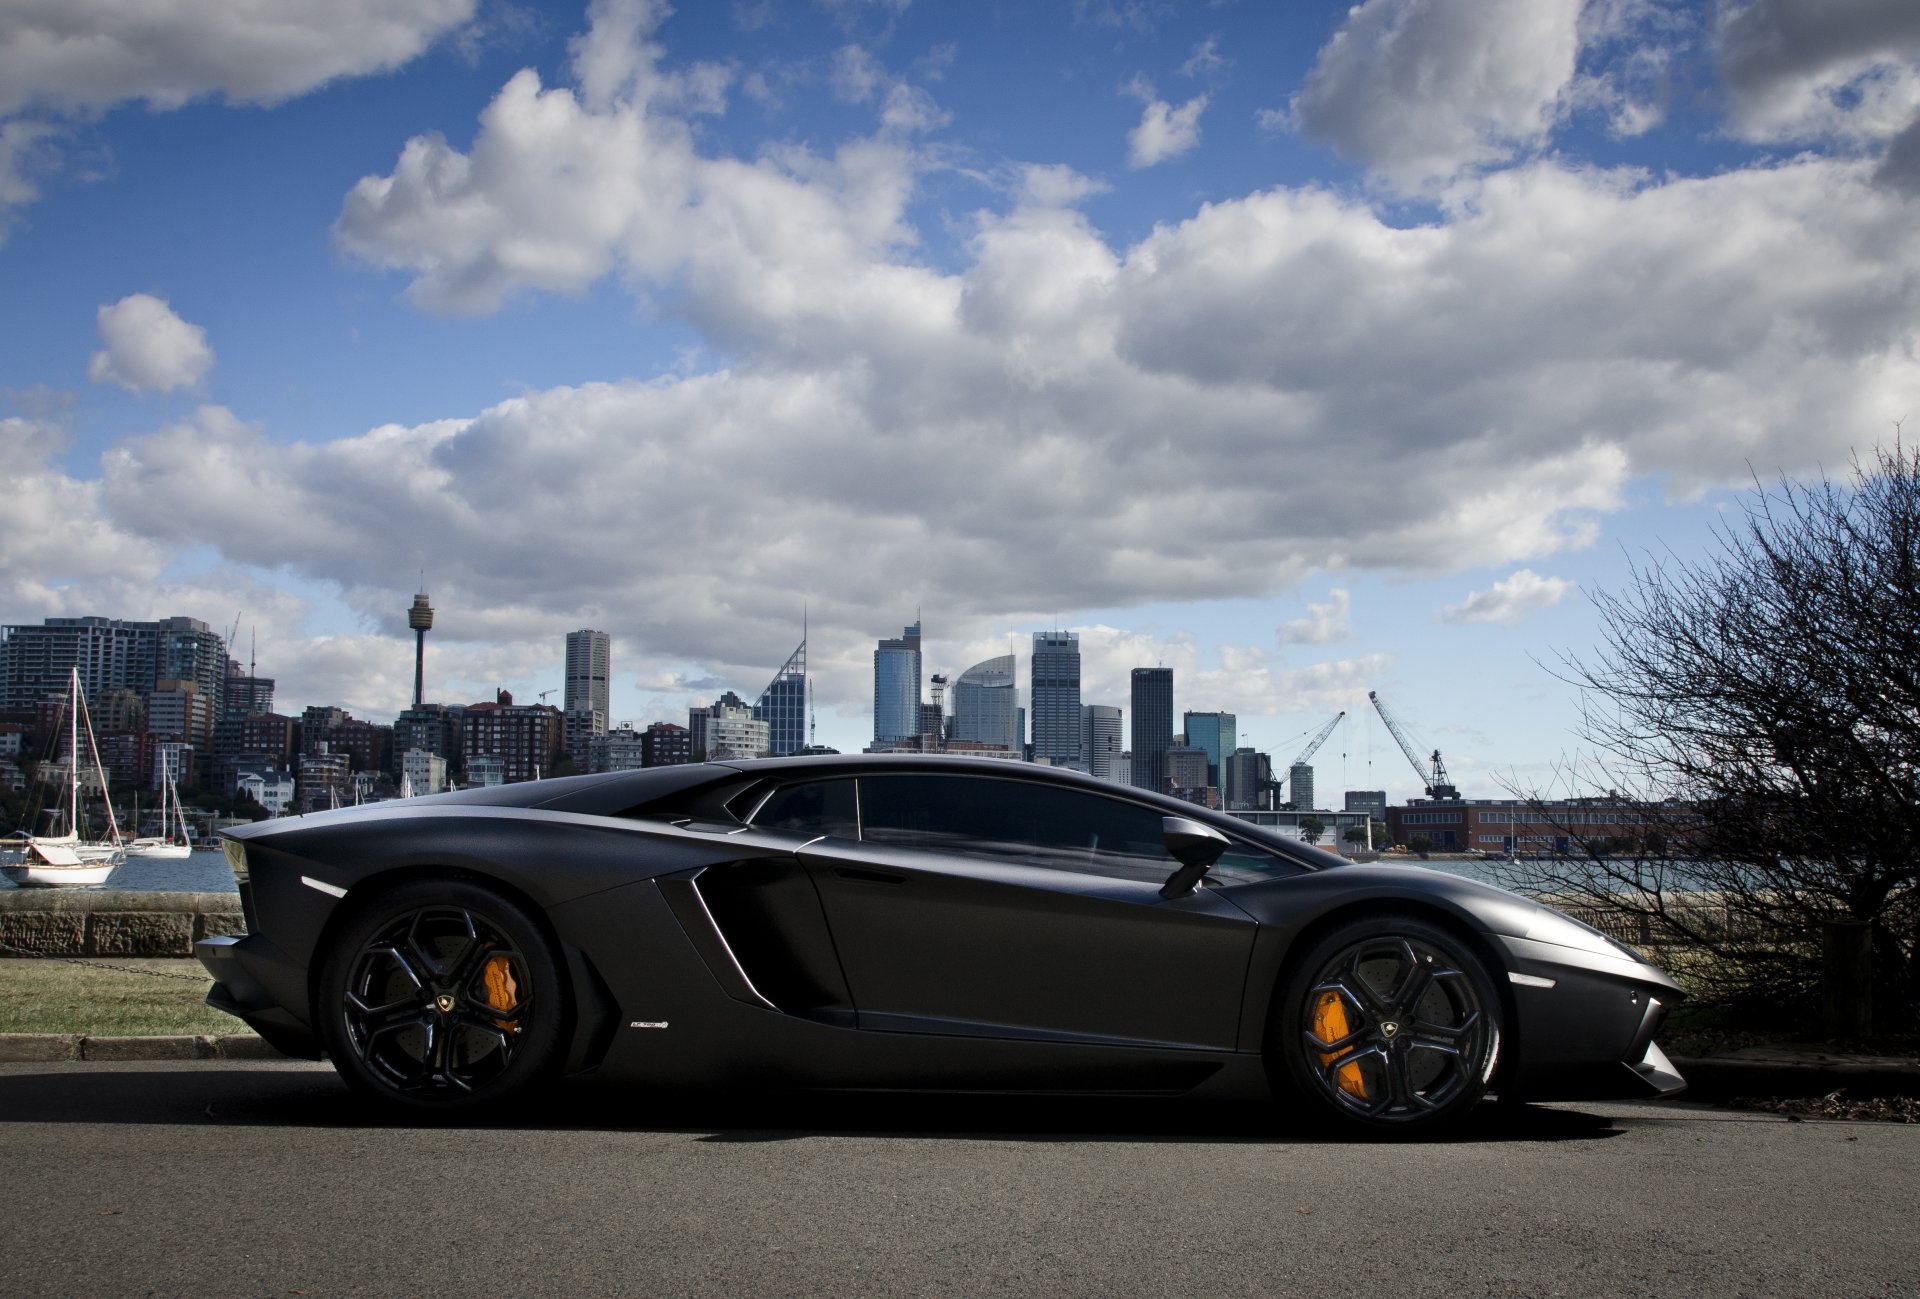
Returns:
(896, 686)
(1054, 676)
(986, 704)
(1152, 726)
(1100, 737)
(1214, 732)
(783, 706)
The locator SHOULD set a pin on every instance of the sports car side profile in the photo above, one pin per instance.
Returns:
(897, 922)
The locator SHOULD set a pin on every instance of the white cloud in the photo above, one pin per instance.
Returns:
(87, 55)
(1323, 624)
(148, 347)
(1057, 186)
(1164, 131)
(1418, 90)
(1510, 600)
(1204, 59)
(1798, 70)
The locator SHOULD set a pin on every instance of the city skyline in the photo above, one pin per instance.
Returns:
(1307, 350)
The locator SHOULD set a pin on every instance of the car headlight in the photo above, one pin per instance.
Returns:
(236, 854)
(1564, 931)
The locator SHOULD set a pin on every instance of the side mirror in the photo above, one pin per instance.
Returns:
(1195, 846)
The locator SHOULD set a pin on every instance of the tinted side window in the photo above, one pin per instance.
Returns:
(1013, 820)
(819, 807)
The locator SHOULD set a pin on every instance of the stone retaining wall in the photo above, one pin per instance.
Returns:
(108, 923)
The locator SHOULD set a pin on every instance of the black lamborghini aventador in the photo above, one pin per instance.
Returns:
(909, 923)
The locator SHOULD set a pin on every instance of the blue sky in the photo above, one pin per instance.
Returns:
(1308, 348)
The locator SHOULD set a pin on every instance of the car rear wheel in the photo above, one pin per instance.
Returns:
(442, 996)
(1389, 1025)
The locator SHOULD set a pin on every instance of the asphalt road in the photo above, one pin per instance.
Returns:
(221, 1178)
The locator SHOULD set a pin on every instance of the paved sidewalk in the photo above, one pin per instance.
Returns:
(29, 1048)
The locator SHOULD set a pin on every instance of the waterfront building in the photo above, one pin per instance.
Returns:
(325, 779)
(587, 697)
(783, 705)
(1511, 825)
(485, 770)
(618, 750)
(986, 706)
(1152, 705)
(270, 787)
(896, 685)
(181, 710)
(437, 728)
(663, 744)
(267, 740)
(1101, 733)
(1054, 677)
(422, 772)
(1373, 801)
(528, 739)
(109, 654)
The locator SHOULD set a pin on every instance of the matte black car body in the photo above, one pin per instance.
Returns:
(702, 949)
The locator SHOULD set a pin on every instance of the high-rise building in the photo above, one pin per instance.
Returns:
(1101, 734)
(1152, 726)
(783, 706)
(1248, 775)
(1214, 732)
(587, 697)
(1186, 770)
(726, 728)
(986, 704)
(1300, 786)
(896, 685)
(435, 729)
(110, 654)
(1054, 674)
(527, 739)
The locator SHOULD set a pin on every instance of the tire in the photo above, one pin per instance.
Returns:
(442, 997)
(1388, 1025)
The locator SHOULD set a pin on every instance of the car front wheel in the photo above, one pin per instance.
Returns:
(442, 996)
(1389, 1025)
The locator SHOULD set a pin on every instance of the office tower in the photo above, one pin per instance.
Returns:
(1214, 732)
(1054, 675)
(420, 618)
(896, 686)
(1187, 771)
(726, 728)
(1152, 726)
(1248, 773)
(588, 695)
(1100, 738)
(986, 704)
(783, 705)
(1300, 786)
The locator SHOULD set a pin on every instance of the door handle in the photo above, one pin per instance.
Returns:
(860, 876)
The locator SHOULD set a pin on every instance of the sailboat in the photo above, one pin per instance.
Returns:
(176, 843)
(65, 860)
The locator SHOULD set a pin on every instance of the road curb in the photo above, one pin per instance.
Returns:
(43, 1048)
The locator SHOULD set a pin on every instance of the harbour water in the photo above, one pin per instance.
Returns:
(199, 872)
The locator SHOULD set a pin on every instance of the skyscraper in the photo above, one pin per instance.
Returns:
(783, 705)
(1300, 786)
(588, 696)
(986, 704)
(1100, 735)
(896, 685)
(1214, 732)
(1152, 726)
(1055, 678)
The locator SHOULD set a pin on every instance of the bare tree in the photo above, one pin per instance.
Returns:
(1762, 706)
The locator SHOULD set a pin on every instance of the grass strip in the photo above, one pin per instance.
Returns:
(49, 996)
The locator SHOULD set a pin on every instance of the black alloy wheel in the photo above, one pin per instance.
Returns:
(442, 996)
(1390, 1025)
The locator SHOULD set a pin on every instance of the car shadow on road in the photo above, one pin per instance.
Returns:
(312, 1098)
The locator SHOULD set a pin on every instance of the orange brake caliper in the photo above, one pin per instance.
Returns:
(502, 992)
(1330, 1025)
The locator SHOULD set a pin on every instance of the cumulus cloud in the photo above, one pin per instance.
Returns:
(148, 347)
(1164, 131)
(1418, 90)
(1800, 70)
(1323, 623)
(1510, 600)
(87, 55)
(1052, 422)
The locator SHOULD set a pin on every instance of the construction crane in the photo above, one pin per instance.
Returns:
(1313, 747)
(1435, 780)
(544, 694)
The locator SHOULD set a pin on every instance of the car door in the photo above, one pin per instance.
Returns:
(989, 906)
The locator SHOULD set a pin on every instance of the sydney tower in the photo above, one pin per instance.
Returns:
(420, 617)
